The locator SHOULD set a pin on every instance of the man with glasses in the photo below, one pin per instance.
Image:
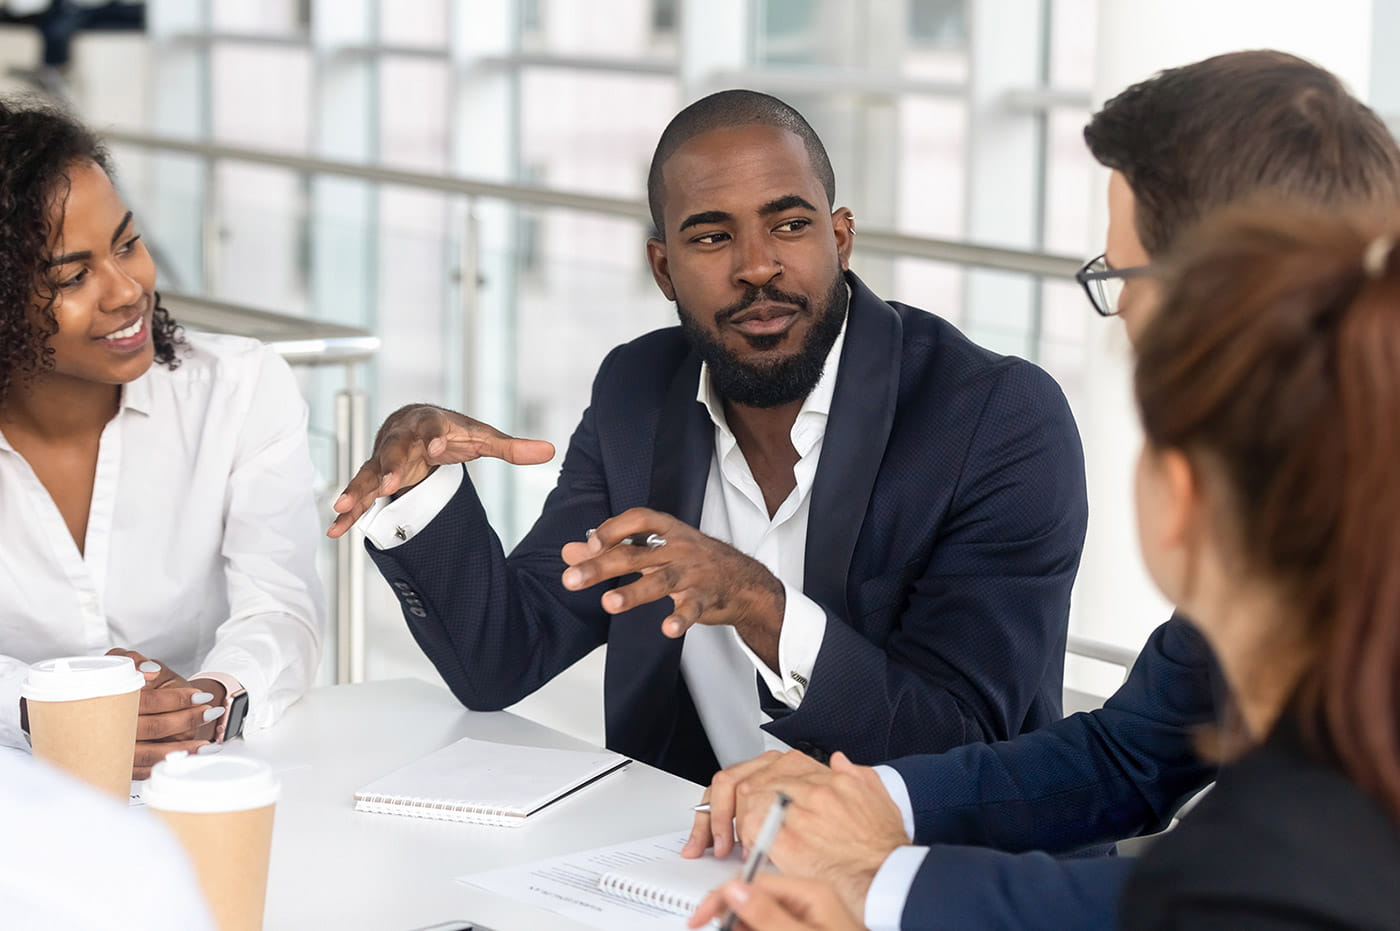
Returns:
(1180, 145)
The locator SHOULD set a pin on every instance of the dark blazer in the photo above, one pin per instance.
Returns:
(947, 516)
(1117, 772)
(1283, 841)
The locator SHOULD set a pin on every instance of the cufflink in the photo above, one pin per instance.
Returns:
(401, 532)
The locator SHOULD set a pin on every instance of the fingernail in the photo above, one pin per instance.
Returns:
(200, 698)
(612, 601)
(210, 749)
(343, 499)
(572, 577)
(595, 545)
(736, 893)
(213, 714)
(149, 666)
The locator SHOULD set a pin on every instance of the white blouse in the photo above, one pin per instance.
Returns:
(201, 539)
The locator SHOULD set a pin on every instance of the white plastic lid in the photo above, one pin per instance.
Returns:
(73, 678)
(182, 782)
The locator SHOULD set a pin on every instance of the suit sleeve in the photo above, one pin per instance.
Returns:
(982, 629)
(973, 889)
(1095, 777)
(496, 627)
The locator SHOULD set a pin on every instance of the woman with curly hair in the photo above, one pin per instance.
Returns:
(155, 487)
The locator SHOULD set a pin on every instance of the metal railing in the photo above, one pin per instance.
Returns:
(889, 242)
(306, 343)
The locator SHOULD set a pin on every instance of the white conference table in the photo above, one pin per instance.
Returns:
(333, 867)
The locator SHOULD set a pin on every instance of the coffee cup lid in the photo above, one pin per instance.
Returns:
(72, 678)
(182, 782)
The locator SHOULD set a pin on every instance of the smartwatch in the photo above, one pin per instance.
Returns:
(235, 706)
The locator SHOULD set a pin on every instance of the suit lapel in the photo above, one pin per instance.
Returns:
(642, 675)
(862, 414)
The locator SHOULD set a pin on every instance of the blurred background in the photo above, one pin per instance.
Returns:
(443, 201)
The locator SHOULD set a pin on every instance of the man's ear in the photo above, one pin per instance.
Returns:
(843, 224)
(660, 268)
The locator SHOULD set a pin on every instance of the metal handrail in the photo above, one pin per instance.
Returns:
(1103, 652)
(1021, 261)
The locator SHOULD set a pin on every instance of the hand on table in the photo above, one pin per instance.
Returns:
(710, 582)
(840, 827)
(778, 903)
(174, 714)
(418, 438)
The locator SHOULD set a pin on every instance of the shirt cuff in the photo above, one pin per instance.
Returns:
(804, 627)
(899, 792)
(396, 522)
(889, 891)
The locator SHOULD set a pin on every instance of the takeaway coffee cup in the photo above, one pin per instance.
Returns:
(82, 717)
(221, 810)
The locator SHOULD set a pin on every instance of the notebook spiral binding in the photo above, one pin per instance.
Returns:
(438, 810)
(648, 894)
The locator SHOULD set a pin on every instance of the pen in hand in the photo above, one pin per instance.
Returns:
(650, 540)
(758, 854)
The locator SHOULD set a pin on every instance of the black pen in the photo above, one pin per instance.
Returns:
(651, 540)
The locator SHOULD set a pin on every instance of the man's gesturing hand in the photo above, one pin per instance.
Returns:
(710, 582)
(415, 440)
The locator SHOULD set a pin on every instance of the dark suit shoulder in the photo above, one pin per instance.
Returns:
(936, 350)
(1283, 837)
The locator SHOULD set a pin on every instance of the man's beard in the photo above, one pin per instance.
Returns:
(769, 384)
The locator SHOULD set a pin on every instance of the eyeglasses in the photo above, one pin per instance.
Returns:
(1104, 283)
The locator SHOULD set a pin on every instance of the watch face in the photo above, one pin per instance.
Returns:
(237, 711)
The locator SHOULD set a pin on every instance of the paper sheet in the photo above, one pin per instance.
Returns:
(568, 885)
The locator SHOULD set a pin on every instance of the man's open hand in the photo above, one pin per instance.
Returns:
(417, 439)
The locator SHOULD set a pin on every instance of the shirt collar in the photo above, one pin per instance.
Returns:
(817, 402)
(136, 395)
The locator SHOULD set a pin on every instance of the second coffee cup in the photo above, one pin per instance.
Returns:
(221, 810)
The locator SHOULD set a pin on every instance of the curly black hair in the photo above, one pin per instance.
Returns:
(39, 144)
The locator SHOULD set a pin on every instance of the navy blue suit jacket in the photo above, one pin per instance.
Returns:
(946, 521)
(1118, 772)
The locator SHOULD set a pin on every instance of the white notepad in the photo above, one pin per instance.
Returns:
(673, 883)
(485, 783)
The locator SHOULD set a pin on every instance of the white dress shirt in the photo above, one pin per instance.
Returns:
(75, 859)
(201, 538)
(717, 665)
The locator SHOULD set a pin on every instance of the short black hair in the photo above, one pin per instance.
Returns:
(1238, 126)
(723, 110)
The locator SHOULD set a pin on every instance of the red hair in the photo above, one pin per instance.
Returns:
(1276, 354)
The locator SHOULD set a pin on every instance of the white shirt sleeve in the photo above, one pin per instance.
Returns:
(12, 673)
(899, 792)
(399, 521)
(804, 627)
(271, 642)
(74, 859)
(889, 891)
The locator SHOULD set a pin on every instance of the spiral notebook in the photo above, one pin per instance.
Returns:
(670, 882)
(481, 782)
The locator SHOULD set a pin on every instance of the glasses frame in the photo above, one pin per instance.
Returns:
(1087, 275)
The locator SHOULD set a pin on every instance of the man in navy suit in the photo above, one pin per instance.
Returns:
(805, 517)
(1182, 144)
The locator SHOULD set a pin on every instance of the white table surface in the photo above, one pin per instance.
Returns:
(333, 867)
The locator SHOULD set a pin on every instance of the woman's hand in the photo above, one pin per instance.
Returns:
(174, 714)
